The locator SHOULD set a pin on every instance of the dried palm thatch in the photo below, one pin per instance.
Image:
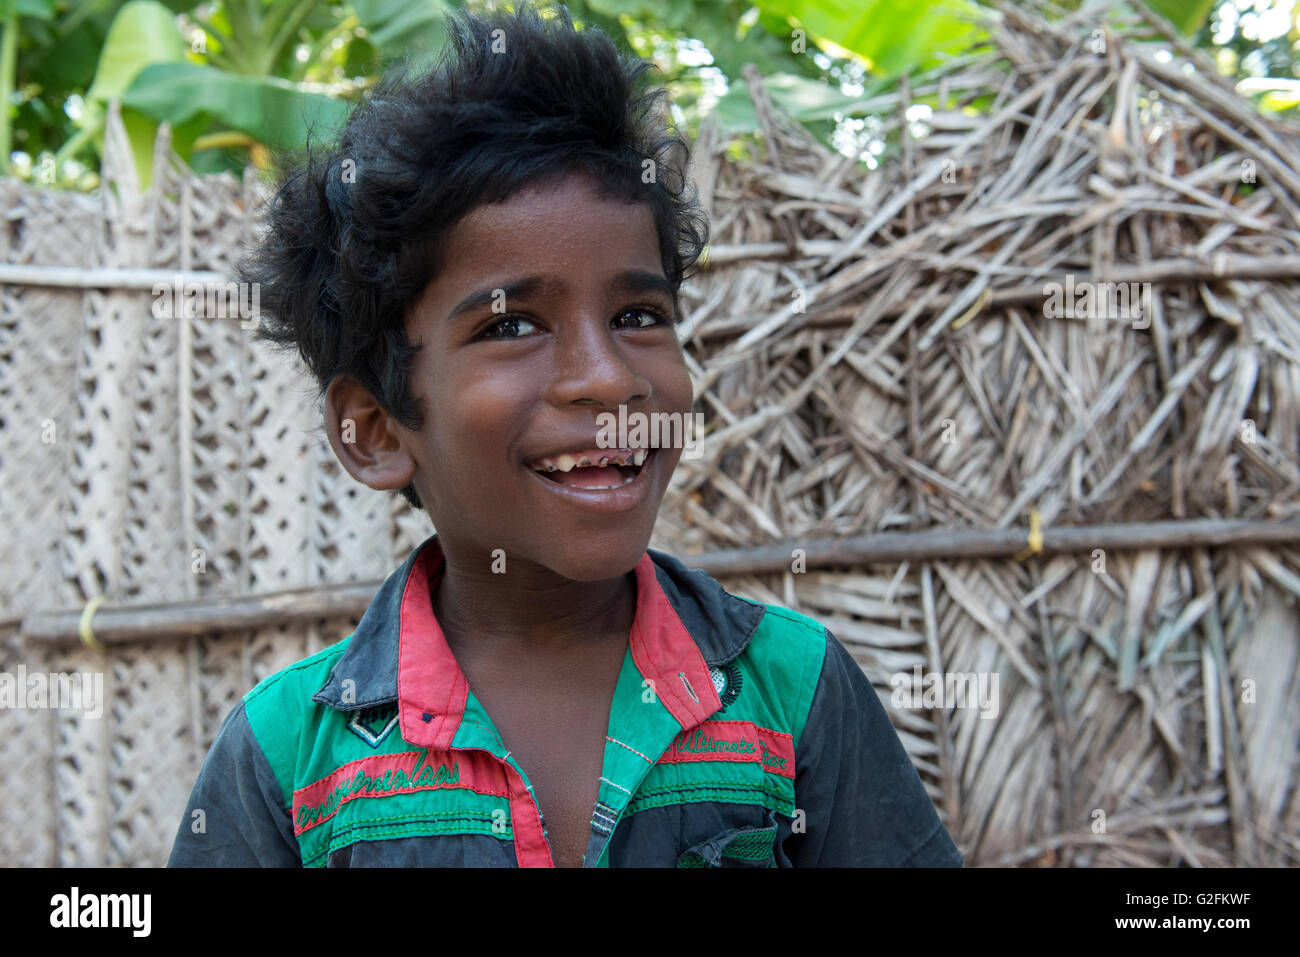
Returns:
(881, 350)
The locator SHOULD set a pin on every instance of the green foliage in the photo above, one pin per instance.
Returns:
(1186, 15)
(270, 110)
(893, 36)
(396, 28)
(81, 53)
(41, 9)
(718, 25)
(235, 77)
(143, 32)
(807, 101)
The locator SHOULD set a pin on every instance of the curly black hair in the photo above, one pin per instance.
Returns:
(353, 236)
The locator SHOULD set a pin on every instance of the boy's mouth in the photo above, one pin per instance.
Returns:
(594, 469)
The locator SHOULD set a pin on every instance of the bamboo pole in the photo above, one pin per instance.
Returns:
(174, 620)
(1223, 266)
(75, 277)
(1157, 272)
(956, 544)
(165, 622)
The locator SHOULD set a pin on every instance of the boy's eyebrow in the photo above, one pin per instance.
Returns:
(639, 280)
(628, 281)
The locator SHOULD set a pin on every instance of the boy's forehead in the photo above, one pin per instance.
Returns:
(564, 230)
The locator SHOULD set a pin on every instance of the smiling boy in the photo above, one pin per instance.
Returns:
(533, 687)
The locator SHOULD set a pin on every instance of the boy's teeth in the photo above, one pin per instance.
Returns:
(567, 463)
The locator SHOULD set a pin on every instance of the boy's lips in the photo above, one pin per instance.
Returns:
(610, 488)
(595, 469)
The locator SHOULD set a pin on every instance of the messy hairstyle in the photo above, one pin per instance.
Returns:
(354, 234)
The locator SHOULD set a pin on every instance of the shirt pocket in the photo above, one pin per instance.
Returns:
(737, 847)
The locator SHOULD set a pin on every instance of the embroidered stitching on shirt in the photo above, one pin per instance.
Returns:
(363, 723)
(615, 785)
(630, 748)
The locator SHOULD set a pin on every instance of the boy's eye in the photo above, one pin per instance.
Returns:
(508, 329)
(517, 327)
(643, 318)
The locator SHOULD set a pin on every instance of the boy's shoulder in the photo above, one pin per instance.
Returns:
(779, 653)
(763, 628)
(306, 672)
(368, 653)
(292, 688)
(793, 629)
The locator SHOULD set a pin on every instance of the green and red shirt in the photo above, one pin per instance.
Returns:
(740, 734)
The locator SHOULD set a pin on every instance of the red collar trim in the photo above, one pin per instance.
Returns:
(432, 690)
(666, 654)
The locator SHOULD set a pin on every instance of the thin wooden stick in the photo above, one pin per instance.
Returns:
(204, 616)
(74, 277)
(1157, 272)
(951, 544)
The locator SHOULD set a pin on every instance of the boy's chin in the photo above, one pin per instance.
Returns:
(596, 560)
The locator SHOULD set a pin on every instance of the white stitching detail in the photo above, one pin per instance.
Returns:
(619, 786)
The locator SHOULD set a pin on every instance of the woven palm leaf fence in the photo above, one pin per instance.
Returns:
(930, 425)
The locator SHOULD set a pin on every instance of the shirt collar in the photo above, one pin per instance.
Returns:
(685, 623)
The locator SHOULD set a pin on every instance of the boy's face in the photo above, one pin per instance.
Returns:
(549, 309)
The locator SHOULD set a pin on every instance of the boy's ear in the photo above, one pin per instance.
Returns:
(365, 437)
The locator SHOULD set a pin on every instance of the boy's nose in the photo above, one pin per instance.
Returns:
(592, 367)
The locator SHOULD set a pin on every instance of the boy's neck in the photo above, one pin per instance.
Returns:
(530, 612)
